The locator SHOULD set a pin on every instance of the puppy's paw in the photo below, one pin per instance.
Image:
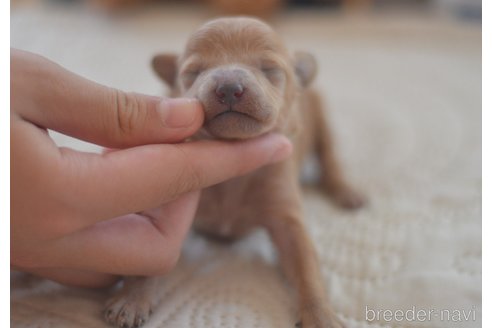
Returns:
(319, 317)
(348, 198)
(127, 311)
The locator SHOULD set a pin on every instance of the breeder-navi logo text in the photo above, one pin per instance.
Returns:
(421, 315)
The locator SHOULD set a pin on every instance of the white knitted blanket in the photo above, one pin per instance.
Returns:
(405, 106)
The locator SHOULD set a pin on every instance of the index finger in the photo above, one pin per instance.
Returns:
(136, 179)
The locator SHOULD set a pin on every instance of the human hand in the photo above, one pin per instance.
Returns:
(77, 217)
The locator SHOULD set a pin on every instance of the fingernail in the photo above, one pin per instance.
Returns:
(179, 112)
(282, 149)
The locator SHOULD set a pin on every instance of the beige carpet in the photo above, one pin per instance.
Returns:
(405, 96)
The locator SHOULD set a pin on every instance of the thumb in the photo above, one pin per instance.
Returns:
(83, 109)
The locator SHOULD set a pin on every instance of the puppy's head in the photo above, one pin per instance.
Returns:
(242, 74)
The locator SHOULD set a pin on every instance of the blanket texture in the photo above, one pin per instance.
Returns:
(404, 95)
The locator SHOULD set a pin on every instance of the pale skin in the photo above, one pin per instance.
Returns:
(75, 216)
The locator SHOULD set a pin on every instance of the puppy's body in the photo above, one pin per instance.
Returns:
(232, 209)
(249, 85)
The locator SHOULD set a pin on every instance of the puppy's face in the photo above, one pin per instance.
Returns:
(241, 73)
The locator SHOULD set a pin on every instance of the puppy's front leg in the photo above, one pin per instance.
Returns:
(300, 264)
(297, 253)
(133, 304)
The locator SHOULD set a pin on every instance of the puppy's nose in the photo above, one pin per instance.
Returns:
(229, 93)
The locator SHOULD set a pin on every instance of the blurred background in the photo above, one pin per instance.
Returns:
(112, 41)
(402, 84)
(266, 8)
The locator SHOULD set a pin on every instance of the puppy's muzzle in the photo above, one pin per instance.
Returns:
(229, 93)
(235, 105)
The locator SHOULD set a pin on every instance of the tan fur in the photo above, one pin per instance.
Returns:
(276, 97)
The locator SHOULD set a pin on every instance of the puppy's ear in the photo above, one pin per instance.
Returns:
(166, 66)
(306, 68)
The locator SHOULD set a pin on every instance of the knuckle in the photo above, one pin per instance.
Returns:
(189, 176)
(194, 177)
(129, 113)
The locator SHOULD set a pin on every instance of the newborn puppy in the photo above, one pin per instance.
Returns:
(249, 84)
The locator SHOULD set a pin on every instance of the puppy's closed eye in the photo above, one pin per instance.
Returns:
(190, 74)
(270, 70)
(273, 72)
